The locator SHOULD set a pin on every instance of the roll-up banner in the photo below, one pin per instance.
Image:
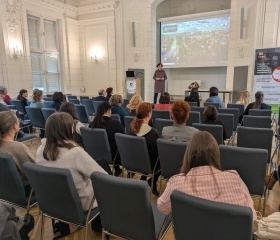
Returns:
(267, 76)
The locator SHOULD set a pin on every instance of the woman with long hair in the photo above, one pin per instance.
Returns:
(193, 97)
(164, 102)
(109, 92)
(258, 104)
(102, 119)
(244, 98)
(140, 127)
(37, 99)
(133, 104)
(202, 176)
(60, 151)
(22, 96)
(9, 127)
(116, 102)
(69, 108)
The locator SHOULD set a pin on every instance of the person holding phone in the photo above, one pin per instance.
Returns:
(159, 77)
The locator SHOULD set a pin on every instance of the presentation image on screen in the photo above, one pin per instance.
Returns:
(195, 43)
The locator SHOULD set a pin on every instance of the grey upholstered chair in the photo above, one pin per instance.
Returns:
(163, 114)
(95, 105)
(11, 186)
(250, 164)
(235, 112)
(72, 97)
(256, 121)
(47, 112)
(48, 104)
(82, 113)
(116, 117)
(161, 123)
(192, 104)
(127, 121)
(217, 105)
(215, 130)
(19, 106)
(241, 107)
(194, 117)
(126, 210)
(89, 106)
(36, 117)
(260, 112)
(171, 156)
(197, 218)
(58, 198)
(228, 121)
(200, 110)
(73, 100)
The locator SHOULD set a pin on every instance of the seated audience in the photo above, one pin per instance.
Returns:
(102, 119)
(69, 108)
(109, 92)
(179, 132)
(210, 117)
(273, 178)
(37, 99)
(59, 150)
(213, 96)
(139, 127)
(244, 98)
(164, 102)
(57, 100)
(258, 104)
(22, 96)
(117, 108)
(9, 127)
(3, 107)
(202, 176)
(6, 98)
(193, 97)
(133, 104)
(101, 96)
(2, 96)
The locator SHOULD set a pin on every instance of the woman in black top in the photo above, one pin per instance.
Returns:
(57, 100)
(23, 94)
(140, 127)
(102, 119)
(193, 97)
(109, 92)
(210, 115)
(258, 104)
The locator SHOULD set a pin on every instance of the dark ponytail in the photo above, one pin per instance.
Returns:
(98, 120)
(258, 100)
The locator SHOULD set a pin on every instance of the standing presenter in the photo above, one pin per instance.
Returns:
(159, 77)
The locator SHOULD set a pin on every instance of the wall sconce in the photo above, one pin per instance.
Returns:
(16, 52)
(94, 58)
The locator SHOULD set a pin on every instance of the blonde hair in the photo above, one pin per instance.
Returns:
(116, 100)
(134, 102)
(244, 97)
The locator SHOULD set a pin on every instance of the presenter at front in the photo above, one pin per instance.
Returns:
(159, 77)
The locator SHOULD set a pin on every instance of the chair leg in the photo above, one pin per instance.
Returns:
(160, 180)
(103, 234)
(42, 226)
(86, 231)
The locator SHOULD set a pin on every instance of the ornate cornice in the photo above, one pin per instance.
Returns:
(11, 13)
(101, 7)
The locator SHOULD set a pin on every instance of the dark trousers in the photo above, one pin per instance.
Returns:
(155, 98)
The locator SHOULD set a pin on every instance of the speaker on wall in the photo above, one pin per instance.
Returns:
(242, 23)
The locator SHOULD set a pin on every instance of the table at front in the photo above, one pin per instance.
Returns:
(207, 91)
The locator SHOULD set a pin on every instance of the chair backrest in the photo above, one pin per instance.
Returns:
(241, 107)
(11, 186)
(228, 121)
(36, 117)
(256, 121)
(56, 192)
(125, 207)
(48, 104)
(84, 98)
(28, 103)
(19, 106)
(217, 105)
(96, 143)
(235, 112)
(47, 98)
(194, 117)
(72, 97)
(215, 130)
(249, 163)
(134, 153)
(127, 121)
(125, 102)
(82, 113)
(197, 218)
(161, 123)
(260, 112)
(163, 114)
(89, 106)
(192, 104)
(171, 155)
(73, 100)
(200, 110)
(11, 107)
(95, 105)
(255, 138)
(47, 112)
(116, 117)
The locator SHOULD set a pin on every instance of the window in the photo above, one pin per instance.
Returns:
(44, 54)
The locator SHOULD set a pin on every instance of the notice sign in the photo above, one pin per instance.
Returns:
(131, 86)
(267, 75)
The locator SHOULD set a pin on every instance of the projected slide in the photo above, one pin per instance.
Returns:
(195, 43)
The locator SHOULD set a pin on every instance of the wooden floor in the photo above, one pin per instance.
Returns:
(271, 206)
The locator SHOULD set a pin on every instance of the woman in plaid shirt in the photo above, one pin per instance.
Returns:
(201, 176)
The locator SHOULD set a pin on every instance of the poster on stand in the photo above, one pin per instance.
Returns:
(267, 75)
